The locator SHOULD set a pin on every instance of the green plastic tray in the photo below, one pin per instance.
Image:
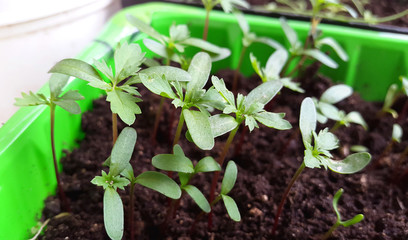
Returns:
(26, 171)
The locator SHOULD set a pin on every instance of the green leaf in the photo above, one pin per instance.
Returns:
(145, 28)
(122, 150)
(355, 117)
(294, 86)
(336, 93)
(216, 53)
(310, 160)
(128, 172)
(250, 122)
(396, 132)
(160, 183)
(321, 57)
(199, 127)
(219, 85)
(307, 120)
(173, 162)
(69, 105)
(72, 95)
(333, 44)
(289, 33)
(330, 111)
(159, 49)
(273, 120)
(113, 214)
(199, 70)
(257, 67)
(326, 141)
(179, 32)
(275, 64)
(263, 93)
(356, 219)
(30, 99)
(81, 70)
(232, 208)
(243, 24)
(213, 99)
(170, 73)
(221, 124)
(270, 42)
(207, 164)
(157, 84)
(104, 69)
(229, 5)
(102, 181)
(230, 176)
(57, 83)
(128, 59)
(124, 104)
(351, 164)
(198, 197)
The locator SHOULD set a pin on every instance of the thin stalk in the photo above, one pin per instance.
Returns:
(331, 230)
(285, 195)
(298, 65)
(131, 207)
(285, 67)
(179, 128)
(335, 127)
(157, 121)
(61, 194)
(217, 174)
(114, 127)
(235, 79)
(207, 21)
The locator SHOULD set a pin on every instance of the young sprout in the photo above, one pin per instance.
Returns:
(392, 94)
(356, 219)
(404, 110)
(66, 101)
(311, 49)
(123, 97)
(172, 47)
(326, 109)
(318, 154)
(227, 6)
(120, 175)
(247, 40)
(273, 68)
(248, 109)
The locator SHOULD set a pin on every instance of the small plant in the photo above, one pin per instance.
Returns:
(123, 97)
(318, 154)
(227, 6)
(356, 219)
(326, 109)
(56, 98)
(120, 175)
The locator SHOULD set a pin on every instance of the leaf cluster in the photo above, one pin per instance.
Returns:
(318, 146)
(227, 5)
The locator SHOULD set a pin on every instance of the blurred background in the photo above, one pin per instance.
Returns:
(34, 35)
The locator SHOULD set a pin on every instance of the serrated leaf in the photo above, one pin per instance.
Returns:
(199, 70)
(198, 197)
(160, 183)
(82, 70)
(113, 214)
(263, 93)
(101, 181)
(221, 124)
(326, 140)
(351, 164)
(310, 160)
(128, 59)
(69, 105)
(104, 69)
(307, 120)
(257, 67)
(321, 57)
(57, 82)
(207, 164)
(229, 5)
(232, 208)
(334, 45)
(219, 85)
(273, 120)
(30, 99)
(250, 122)
(122, 150)
(230, 176)
(124, 105)
(336, 93)
(199, 127)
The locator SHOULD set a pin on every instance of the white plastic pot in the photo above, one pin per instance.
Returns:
(34, 35)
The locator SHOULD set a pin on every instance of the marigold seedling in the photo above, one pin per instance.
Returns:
(66, 101)
(356, 219)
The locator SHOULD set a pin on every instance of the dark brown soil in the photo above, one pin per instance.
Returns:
(266, 163)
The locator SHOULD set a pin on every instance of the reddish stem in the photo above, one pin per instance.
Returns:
(114, 127)
(207, 18)
(285, 195)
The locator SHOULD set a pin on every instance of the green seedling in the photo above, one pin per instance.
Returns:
(392, 94)
(172, 47)
(248, 39)
(178, 162)
(227, 5)
(123, 97)
(194, 96)
(311, 48)
(356, 219)
(120, 175)
(56, 98)
(330, 11)
(326, 109)
(318, 154)
(395, 138)
(404, 111)
(273, 68)
(248, 109)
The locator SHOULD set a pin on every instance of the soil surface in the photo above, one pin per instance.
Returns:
(266, 161)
